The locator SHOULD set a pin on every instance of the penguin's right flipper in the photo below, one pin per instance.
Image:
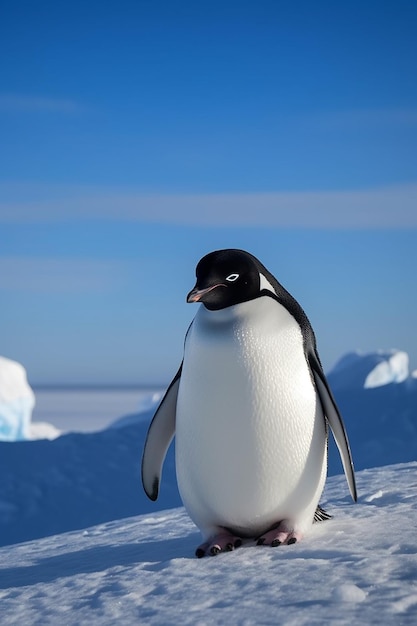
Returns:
(160, 434)
(335, 421)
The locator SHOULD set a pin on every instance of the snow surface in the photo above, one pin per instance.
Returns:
(359, 568)
(76, 480)
(16, 401)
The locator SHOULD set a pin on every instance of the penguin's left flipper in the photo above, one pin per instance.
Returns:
(335, 421)
(160, 434)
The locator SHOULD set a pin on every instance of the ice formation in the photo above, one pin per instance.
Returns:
(16, 401)
(392, 369)
(370, 370)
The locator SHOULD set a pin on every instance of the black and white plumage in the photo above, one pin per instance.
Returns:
(250, 407)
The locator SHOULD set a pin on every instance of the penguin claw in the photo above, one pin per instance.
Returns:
(278, 536)
(223, 542)
(200, 552)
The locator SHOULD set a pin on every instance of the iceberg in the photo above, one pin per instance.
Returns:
(377, 396)
(392, 369)
(374, 369)
(16, 401)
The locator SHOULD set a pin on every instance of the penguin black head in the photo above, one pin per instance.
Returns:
(225, 278)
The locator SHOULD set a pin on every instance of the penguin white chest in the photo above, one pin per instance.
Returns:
(250, 434)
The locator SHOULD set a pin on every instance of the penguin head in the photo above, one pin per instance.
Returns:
(225, 278)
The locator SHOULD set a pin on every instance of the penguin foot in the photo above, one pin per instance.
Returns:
(279, 535)
(223, 542)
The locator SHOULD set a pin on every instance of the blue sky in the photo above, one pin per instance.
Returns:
(138, 136)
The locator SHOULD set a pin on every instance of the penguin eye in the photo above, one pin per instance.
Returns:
(232, 277)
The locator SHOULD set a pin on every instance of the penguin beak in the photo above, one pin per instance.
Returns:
(196, 295)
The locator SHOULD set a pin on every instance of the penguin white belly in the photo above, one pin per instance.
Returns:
(250, 433)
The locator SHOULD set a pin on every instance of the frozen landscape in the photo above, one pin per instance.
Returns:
(137, 137)
(82, 543)
(359, 568)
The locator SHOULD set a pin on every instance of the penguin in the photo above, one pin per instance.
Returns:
(250, 408)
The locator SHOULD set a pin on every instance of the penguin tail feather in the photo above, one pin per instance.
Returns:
(321, 515)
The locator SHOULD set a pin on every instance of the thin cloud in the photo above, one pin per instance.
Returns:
(59, 275)
(38, 104)
(367, 119)
(389, 207)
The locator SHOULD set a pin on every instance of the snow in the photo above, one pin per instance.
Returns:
(378, 400)
(16, 401)
(370, 370)
(75, 481)
(360, 567)
(43, 430)
(393, 369)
